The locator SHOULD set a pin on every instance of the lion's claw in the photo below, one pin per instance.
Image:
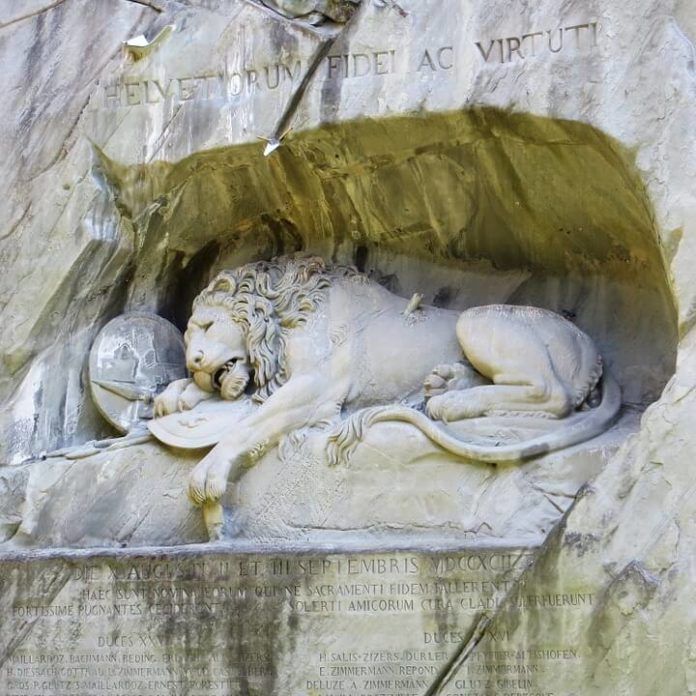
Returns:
(196, 495)
(208, 481)
(433, 407)
(196, 488)
(214, 486)
(182, 405)
(169, 400)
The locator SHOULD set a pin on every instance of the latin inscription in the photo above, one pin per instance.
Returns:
(209, 625)
(236, 85)
(379, 63)
(534, 44)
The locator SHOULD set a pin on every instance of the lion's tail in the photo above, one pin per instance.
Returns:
(343, 442)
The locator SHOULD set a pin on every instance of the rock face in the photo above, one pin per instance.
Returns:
(220, 621)
(472, 152)
(315, 11)
(405, 494)
(160, 180)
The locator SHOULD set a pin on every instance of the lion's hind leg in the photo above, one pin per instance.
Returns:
(506, 346)
(509, 394)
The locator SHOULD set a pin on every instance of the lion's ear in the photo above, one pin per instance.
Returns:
(223, 283)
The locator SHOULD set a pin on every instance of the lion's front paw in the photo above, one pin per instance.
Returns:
(208, 480)
(168, 401)
(191, 396)
(196, 487)
(216, 482)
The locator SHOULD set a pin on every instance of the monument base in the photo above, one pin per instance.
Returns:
(216, 620)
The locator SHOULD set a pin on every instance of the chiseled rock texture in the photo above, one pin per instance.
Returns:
(315, 11)
(436, 171)
(408, 493)
(457, 149)
(628, 538)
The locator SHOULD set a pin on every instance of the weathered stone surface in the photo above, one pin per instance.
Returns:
(13, 485)
(315, 11)
(473, 189)
(387, 494)
(220, 622)
(456, 149)
(134, 496)
(628, 537)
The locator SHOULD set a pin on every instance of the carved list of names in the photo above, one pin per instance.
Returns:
(202, 624)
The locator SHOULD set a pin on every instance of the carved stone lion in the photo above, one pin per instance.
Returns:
(310, 342)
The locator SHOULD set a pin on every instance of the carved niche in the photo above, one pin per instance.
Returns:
(278, 346)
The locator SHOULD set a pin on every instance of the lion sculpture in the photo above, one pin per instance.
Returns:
(311, 342)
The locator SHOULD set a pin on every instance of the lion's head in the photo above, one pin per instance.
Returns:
(239, 324)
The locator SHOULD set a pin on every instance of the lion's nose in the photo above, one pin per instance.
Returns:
(197, 359)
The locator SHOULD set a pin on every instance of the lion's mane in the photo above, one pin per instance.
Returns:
(268, 299)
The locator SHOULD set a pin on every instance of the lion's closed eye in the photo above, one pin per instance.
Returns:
(203, 325)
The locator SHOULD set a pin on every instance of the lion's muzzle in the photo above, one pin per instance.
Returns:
(204, 380)
(230, 379)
